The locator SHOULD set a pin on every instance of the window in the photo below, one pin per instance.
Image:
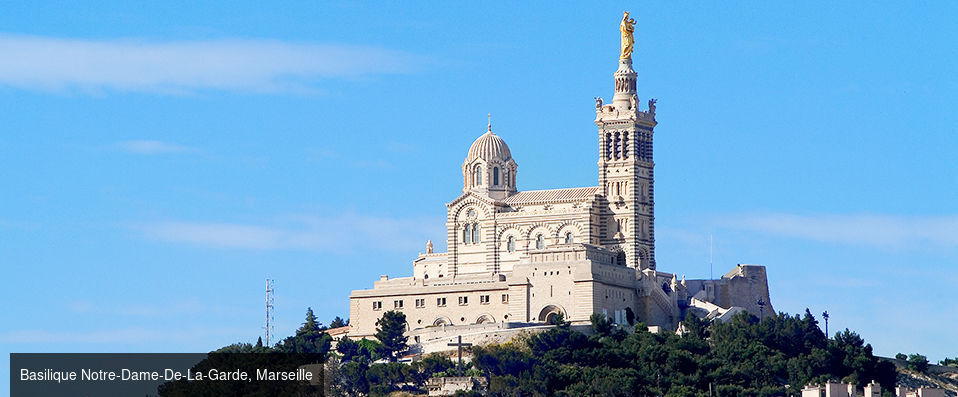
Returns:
(478, 177)
(484, 299)
(377, 305)
(608, 146)
(511, 244)
(505, 298)
(625, 144)
(540, 242)
(420, 303)
(463, 300)
(397, 304)
(495, 176)
(440, 301)
(568, 237)
(467, 234)
(475, 233)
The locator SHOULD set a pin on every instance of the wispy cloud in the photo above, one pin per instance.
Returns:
(45, 63)
(886, 231)
(150, 147)
(346, 232)
(179, 309)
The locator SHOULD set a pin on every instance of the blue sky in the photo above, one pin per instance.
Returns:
(159, 161)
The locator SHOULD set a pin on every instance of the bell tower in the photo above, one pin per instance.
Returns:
(625, 164)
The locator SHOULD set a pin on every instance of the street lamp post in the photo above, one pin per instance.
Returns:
(825, 316)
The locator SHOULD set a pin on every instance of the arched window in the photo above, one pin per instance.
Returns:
(617, 146)
(467, 234)
(475, 233)
(511, 244)
(495, 176)
(478, 177)
(608, 146)
(568, 237)
(625, 144)
(540, 242)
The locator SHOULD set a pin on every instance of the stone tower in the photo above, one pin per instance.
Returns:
(626, 171)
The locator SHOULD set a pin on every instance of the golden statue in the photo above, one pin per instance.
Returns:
(627, 27)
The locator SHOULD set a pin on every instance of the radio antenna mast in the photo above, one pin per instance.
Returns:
(269, 310)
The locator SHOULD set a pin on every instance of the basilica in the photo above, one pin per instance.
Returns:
(523, 259)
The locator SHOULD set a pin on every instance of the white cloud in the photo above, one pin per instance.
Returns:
(347, 232)
(886, 231)
(151, 147)
(45, 63)
(179, 309)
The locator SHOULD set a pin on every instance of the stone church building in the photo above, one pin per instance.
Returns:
(519, 258)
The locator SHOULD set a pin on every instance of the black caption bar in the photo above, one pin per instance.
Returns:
(166, 374)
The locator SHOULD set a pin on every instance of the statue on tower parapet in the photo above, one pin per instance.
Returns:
(628, 41)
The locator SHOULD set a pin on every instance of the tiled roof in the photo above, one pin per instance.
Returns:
(553, 195)
(338, 331)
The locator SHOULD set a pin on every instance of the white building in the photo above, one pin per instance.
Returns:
(519, 257)
(832, 389)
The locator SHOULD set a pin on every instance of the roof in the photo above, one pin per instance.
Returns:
(487, 147)
(553, 195)
(338, 331)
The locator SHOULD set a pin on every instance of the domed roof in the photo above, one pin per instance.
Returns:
(487, 147)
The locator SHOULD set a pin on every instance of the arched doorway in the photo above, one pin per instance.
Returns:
(485, 319)
(551, 314)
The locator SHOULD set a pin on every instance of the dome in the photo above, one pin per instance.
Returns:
(487, 147)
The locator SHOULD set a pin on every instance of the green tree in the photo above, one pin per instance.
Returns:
(235, 348)
(390, 331)
(311, 324)
(695, 326)
(918, 362)
(430, 364)
(310, 338)
(338, 322)
(630, 316)
(348, 348)
(370, 349)
(901, 356)
(601, 324)
(352, 380)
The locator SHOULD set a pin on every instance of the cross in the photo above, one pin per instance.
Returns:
(460, 345)
(490, 121)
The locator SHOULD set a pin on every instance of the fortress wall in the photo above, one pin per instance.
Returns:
(747, 286)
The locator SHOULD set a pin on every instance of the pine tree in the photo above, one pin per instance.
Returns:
(338, 323)
(311, 325)
(348, 348)
(390, 332)
(310, 338)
